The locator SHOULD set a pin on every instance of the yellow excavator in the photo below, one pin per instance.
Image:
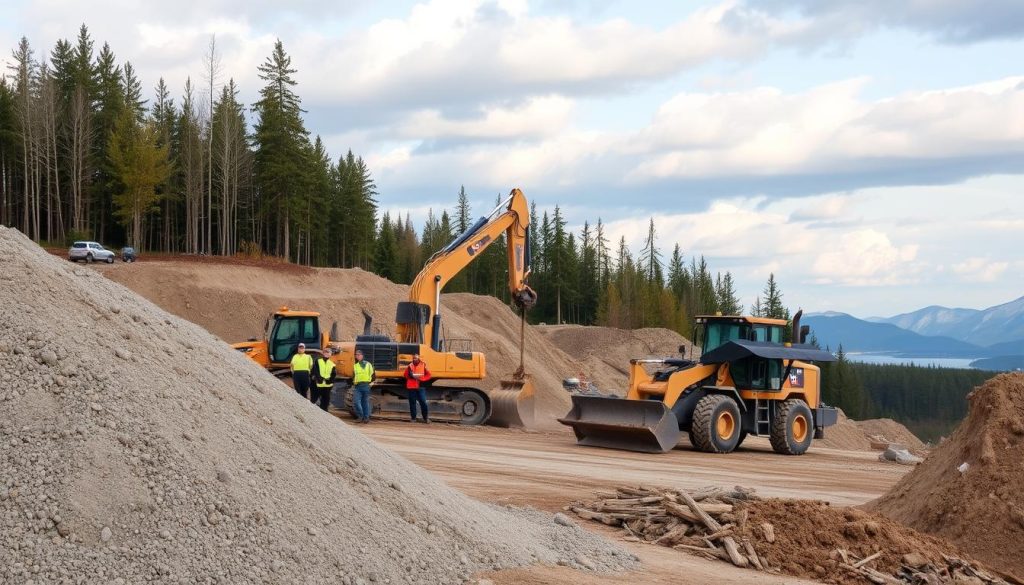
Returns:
(419, 330)
(748, 381)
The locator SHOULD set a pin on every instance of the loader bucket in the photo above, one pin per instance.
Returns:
(512, 403)
(647, 426)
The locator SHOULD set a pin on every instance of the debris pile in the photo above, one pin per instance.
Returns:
(969, 488)
(795, 537)
(137, 447)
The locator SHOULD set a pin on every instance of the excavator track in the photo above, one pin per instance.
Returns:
(465, 406)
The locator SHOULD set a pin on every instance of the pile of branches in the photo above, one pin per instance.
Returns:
(702, 522)
(713, 523)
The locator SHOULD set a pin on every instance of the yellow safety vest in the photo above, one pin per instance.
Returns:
(325, 366)
(302, 362)
(362, 373)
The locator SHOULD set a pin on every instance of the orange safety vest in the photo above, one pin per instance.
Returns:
(412, 383)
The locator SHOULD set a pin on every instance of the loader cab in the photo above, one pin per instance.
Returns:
(286, 329)
(713, 331)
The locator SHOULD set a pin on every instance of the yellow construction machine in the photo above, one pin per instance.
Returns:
(748, 381)
(419, 330)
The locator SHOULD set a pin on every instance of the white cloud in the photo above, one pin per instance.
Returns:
(829, 129)
(977, 269)
(866, 257)
(537, 117)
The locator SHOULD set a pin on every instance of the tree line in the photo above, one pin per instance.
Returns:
(84, 156)
(928, 400)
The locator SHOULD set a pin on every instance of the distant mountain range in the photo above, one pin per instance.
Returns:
(986, 327)
(930, 332)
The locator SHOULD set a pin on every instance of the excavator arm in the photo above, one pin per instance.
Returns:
(419, 319)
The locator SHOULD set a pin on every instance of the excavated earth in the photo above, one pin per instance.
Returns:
(137, 447)
(232, 301)
(969, 489)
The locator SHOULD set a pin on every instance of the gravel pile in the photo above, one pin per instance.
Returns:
(137, 447)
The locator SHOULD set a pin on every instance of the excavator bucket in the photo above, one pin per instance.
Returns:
(647, 426)
(512, 403)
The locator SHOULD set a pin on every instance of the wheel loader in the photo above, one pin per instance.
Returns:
(419, 330)
(746, 382)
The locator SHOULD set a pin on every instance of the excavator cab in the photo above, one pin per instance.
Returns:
(284, 331)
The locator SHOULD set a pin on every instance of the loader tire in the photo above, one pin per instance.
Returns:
(716, 424)
(743, 435)
(792, 428)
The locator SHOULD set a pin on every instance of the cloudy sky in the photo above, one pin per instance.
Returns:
(870, 153)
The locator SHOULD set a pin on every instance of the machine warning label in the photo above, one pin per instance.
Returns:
(796, 378)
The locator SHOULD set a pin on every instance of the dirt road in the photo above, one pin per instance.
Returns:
(548, 470)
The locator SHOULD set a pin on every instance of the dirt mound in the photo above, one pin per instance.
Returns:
(136, 447)
(982, 507)
(602, 354)
(233, 301)
(891, 432)
(808, 534)
(845, 435)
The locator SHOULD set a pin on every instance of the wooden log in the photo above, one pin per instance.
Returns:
(741, 521)
(703, 515)
(682, 511)
(633, 492)
(725, 531)
(634, 510)
(752, 555)
(713, 552)
(768, 531)
(735, 556)
(676, 533)
(866, 560)
(602, 518)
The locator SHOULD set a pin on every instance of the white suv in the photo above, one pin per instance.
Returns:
(90, 252)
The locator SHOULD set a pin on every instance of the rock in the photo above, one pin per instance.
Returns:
(562, 520)
(915, 560)
(105, 534)
(123, 353)
(63, 529)
(586, 563)
(223, 476)
(96, 407)
(872, 528)
(165, 534)
(48, 357)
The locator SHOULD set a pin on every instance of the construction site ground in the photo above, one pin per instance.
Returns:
(547, 470)
(544, 469)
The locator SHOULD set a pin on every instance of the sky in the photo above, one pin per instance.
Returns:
(869, 153)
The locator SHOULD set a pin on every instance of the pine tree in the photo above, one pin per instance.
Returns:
(280, 138)
(385, 260)
(139, 164)
(725, 292)
(773, 307)
(650, 258)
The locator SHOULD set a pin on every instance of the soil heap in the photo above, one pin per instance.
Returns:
(233, 301)
(137, 447)
(602, 354)
(982, 507)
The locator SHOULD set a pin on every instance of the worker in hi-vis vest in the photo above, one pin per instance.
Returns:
(323, 379)
(415, 375)
(362, 375)
(302, 370)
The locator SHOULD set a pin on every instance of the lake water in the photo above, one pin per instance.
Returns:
(882, 358)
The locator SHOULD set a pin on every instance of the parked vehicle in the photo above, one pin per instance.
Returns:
(90, 252)
(128, 254)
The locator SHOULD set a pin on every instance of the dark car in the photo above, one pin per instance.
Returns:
(128, 254)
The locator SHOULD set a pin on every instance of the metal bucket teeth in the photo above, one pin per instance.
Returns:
(512, 404)
(647, 426)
